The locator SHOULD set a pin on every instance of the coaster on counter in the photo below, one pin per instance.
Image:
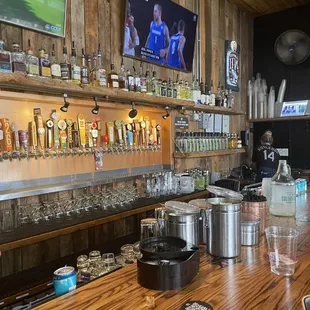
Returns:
(196, 305)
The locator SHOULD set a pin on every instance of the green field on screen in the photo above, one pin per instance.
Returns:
(41, 15)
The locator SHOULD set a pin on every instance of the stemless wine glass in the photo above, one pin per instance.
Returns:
(128, 254)
(108, 261)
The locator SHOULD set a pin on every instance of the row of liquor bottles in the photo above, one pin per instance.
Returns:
(189, 142)
(59, 137)
(92, 72)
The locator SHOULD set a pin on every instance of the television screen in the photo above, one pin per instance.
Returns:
(161, 32)
(41, 15)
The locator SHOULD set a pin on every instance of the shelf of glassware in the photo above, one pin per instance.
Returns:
(209, 153)
(278, 119)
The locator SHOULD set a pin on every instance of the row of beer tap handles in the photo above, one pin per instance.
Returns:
(64, 137)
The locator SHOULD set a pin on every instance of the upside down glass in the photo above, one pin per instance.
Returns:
(282, 249)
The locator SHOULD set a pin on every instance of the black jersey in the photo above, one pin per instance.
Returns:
(266, 156)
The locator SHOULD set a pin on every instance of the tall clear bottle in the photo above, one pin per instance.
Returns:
(149, 87)
(84, 70)
(282, 192)
(93, 70)
(75, 69)
(65, 66)
(32, 62)
(122, 78)
(55, 66)
(142, 80)
(101, 75)
(5, 59)
(155, 85)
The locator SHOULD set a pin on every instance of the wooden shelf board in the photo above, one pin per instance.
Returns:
(209, 153)
(213, 109)
(67, 230)
(279, 119)
(14, 81)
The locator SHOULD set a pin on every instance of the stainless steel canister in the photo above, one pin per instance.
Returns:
(203, 222)
(224, 227)
(258, 209)
(250, 229)
(184, 226)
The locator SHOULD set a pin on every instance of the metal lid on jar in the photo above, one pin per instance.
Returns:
(181, 208)
(223, 205)
(224, 192)
(199, 203)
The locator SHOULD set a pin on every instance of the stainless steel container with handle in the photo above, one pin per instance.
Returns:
(224, 223)
(203, 206)
(182, 221)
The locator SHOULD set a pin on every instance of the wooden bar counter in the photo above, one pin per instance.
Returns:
(242, 283)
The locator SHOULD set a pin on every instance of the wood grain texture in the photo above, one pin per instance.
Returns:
(264, 7)
(247, 284)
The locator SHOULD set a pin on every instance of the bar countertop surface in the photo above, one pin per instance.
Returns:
(242, 283)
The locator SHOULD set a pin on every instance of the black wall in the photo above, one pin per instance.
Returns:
(294, 135)
(266, 31)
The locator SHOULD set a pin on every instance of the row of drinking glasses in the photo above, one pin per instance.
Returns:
(162, 184)
(79, 206)
(95, 265)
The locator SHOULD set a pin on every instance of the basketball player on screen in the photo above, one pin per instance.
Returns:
(158, 39)
(174, 57)
(131, 34)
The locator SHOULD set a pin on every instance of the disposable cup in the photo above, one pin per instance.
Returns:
(282, 249)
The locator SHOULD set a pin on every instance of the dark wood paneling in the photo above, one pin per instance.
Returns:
(264, 7)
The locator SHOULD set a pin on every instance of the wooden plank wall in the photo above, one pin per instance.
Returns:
(92, 21)
(222, 21)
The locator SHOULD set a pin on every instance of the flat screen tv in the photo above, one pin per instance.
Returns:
(47, 16)
(160, 32)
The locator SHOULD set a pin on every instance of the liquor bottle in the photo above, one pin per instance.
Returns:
(202, 91)
(155, 85)
(32, 62)
(45, 64)
(131, 81)
(5, 59)
(142, 80)
(101, 77)
(175, 89)
(212, 95)
(113, 78)
(18, 60)
(163, 88)
(65, 66)
(93, 71)
(207, 93)
(149, 88)
(123, 83)
(90, 67)
(75, 69)
(84, 70)
(137, 80)
(55, 67)
(169, 89)
(183, 89)
(188, 91)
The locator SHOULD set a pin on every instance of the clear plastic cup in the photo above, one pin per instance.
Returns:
(282, 249)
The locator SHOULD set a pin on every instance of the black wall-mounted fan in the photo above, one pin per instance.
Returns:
(292, 47)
